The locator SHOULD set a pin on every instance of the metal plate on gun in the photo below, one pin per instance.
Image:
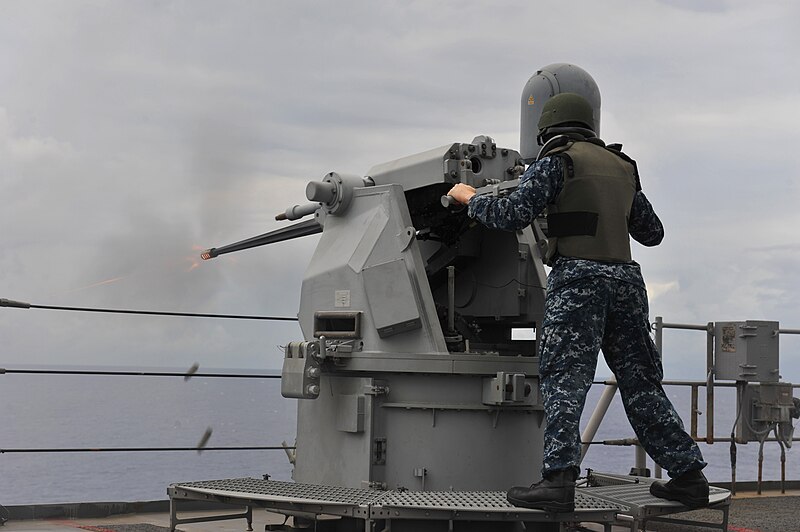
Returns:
(391, 298)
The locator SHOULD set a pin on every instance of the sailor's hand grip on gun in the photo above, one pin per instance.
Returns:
(461, 193)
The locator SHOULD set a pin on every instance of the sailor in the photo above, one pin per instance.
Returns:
(596, 299)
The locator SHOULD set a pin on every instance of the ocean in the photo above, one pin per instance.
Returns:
(87, 411)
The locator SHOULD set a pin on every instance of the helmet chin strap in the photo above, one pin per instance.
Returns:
(578, 133)
(559, 136)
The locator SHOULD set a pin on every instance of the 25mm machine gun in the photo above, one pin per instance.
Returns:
(409, 368)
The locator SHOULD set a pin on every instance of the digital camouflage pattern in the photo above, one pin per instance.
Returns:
(538, 186)
(581, 318)
(593, 305)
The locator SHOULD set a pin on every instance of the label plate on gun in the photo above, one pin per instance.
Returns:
(341, 299)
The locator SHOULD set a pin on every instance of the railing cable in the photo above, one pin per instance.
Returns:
(185, 375)
(145, 449)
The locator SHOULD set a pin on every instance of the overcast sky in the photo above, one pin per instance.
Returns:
(135, 134)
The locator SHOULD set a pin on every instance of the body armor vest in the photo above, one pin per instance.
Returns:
(589, 219)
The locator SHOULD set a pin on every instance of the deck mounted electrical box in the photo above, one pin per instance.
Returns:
(766, 407)
(746, 351)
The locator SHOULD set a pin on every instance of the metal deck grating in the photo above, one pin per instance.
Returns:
(254, 488)
(614, 496)
(450, 500)
(636, 491)
(482, 501)
(638, 494)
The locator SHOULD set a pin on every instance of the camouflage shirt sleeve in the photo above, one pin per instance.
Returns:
(538, 187)
(644, 225)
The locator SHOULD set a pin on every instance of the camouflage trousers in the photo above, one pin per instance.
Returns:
(581, 318)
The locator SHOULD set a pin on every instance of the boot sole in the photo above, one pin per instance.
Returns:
(555, 507)
(691, 502)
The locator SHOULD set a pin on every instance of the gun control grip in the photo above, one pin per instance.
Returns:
(449, 201)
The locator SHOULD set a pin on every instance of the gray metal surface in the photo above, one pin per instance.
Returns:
(550, 80)
(432, 423)
(282, 497)
(376, 230)
(638, 496)
(765, 407)
(635, 492)
(472, 164)
(373, 504)
(746, 351)
(487, 506)
(274, 490)
(385, 258)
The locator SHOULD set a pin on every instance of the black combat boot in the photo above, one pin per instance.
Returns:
(689, 489)
(554, 493)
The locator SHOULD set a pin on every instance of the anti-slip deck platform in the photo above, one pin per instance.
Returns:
(635, 493)
(615, 499)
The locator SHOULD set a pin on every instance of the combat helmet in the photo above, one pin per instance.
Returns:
(566, 109)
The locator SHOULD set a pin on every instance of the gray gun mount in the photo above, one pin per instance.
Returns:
(408, 373)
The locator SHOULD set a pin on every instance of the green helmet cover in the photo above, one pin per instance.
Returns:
(565, 108)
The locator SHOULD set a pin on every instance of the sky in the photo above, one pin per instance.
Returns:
(133, 135)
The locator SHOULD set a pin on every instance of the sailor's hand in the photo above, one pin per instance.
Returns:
(462, 193)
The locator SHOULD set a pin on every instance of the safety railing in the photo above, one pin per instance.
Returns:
(709, 384)
(609, 391)
(189, 374)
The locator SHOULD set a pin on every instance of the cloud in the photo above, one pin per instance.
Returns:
(656, 290)
(132, 134)
(20, 152)
(711, 6)
(29, 150)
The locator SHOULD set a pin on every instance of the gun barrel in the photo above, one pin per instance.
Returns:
(11, 303)
(309, 227)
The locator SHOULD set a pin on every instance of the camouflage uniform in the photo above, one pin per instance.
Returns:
(593, 305)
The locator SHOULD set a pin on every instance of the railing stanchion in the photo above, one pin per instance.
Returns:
(710, 383)
(695, 400)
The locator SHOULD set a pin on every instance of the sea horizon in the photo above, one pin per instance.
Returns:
(89, 411)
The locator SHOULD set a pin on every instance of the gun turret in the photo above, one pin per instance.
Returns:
(472, 296)
(407, 308)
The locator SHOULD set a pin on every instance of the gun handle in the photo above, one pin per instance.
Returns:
(449, 201)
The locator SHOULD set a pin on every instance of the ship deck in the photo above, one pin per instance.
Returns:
(748, 512)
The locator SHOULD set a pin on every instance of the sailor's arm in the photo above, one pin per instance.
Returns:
(538, 186)
(644, 225)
